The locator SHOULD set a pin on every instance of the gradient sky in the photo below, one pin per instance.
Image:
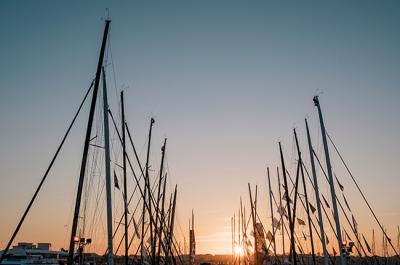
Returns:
(225, 81)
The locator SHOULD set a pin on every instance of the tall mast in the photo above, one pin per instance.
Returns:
(253, 216)
(125, 186)
(398, 239)
(241, 235)
(373, 243)
(331, 183)
(86, 147)
(280, 205)
(320, 221)
(292, 246)
(172, 224)
(162, 220)
(306, 196)
(272, 210)
(158, 201)
(110, 259)
(148, 184)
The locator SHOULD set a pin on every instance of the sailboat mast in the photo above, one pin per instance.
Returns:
(331, 183)
(172, 224)
(272, 210)
(125, 184)
(280, 205)
(292, 246)
(86, 147)
(147, 179)
(110, 258)
(158, 201)
(254, 227)
(162, 222)
(316, 190)
(305, 196)
(373, 243)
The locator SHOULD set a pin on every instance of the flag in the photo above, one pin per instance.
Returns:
(282, 211)
(116, 184)
(340, 185)
(270, 237)
(354, 224)
(300, 222)
(312, 208)
(276, 223)
(135, 225)
(347, 204)
(326, 203)
(284, 198)
(366, 244)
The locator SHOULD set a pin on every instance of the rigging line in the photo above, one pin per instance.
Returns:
(44, 176)
(340, 204)
(362, 194)
(96, 156)
(155, 185)
(276, 203)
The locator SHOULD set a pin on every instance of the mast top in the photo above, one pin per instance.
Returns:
(316, 100)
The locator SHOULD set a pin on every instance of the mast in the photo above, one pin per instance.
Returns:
(398, 239)
(292, 246)
(320, 221)
(373, 243)
(254, 226)
(171, 229)
(110, 258)
(241, 235)
(86, 147)
(272, 210)
(125, 187)
(232, 236)
(280, 205)
(192, 242)
(146, 190)
(158, 200)
(331, 183)
(162, 220)
(305, 196)
(148, 184)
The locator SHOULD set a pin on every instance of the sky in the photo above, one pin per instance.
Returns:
(225, 82)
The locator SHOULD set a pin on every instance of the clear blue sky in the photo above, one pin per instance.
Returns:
(225, 80)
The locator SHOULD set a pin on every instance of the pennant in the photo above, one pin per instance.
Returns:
(347, 204)
(354, 224)
(270, 237)
(340, 185)
(116, 184)
(366, 244)
(326, 203)
(282, 211)
(300, 222)
(135, 225)
(312, 208)
(284, 198)
(276, 224)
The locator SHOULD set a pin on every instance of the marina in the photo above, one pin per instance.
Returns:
(302, 198)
